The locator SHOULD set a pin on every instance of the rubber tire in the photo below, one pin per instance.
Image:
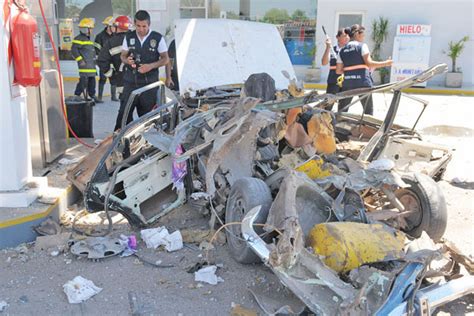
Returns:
(433, 205)
(252, 192)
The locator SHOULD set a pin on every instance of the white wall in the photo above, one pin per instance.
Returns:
(449, 19)
(15, 155)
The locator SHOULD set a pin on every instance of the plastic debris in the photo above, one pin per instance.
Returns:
(155, 237)
(179, 170)
(130, 242)
(207, 275)
(80, 289)
(382, 164)
(67, 162)
(3, 306)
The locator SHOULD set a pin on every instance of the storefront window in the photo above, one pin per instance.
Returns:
(72, 11)
(295, 19)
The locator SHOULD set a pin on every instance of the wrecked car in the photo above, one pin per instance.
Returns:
(282, 165)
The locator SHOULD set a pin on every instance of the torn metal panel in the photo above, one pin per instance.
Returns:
(347, 245)
(363, 179)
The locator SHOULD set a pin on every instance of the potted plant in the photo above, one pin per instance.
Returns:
(454, 78)
(379, 36)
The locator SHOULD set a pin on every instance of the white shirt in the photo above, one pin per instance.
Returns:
(365, 51)
(162, 47)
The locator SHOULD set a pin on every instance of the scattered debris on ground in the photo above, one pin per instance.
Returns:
(80, 289)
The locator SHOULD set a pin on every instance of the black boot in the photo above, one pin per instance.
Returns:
(113, 93)
(101, 91)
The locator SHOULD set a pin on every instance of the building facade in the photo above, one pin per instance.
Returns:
(450, 20)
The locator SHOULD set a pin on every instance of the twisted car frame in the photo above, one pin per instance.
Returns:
(222, 153)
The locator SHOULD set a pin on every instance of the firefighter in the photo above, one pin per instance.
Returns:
(83, 51)
(100, 41)
(330, 57)
(354, 62)
(109, 60)
(143, 52)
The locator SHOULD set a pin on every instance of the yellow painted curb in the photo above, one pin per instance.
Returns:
(33, 217)
(321, 86)
(75, 79)
(439, 91)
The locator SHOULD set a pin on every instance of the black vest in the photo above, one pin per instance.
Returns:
(146, 54)
(332, 77)
(351, 55)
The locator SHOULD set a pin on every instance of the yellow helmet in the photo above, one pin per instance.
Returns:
(87, 23)
(108, 21)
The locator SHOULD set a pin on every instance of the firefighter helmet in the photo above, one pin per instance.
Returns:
(87, 23)
(108, 21)
(123, 22)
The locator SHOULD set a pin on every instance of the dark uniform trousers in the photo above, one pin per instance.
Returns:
(100, 40)
(332, 87)
(85, 82)
(356, 75)
(145, 53)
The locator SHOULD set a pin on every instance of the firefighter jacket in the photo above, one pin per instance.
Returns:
(101, 39)
(83, 51)
(109, 60)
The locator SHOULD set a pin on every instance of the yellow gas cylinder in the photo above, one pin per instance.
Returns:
(347, 245)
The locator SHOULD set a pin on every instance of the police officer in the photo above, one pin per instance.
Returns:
(83, 51)
(143, 52)
(354, 62)
(330, 56)
(109, 60)
(100, 41)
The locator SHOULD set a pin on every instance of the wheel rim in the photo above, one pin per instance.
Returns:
(237, 213)
(411, 202)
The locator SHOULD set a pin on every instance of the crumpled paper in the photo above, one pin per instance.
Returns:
(80, 289)
(155, 237)
(207, 275)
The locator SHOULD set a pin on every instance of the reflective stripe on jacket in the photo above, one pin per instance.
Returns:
(83, 51)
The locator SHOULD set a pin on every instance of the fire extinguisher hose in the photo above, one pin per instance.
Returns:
(61, 92)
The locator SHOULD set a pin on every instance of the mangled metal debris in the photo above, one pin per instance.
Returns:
(333, 194)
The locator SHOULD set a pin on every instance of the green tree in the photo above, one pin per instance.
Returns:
(72, 11)
(232, 15)
(299, 15)
(276, 16)
(122, 7)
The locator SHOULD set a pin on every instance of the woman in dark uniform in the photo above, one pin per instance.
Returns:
(354, 62)
(330, 56)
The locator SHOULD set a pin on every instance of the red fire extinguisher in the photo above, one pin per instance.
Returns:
(26, 49)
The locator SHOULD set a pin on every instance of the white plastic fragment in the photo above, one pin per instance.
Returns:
(207, 275)
(3, 306)
(155, 237)
(79, 290)
(382, 164)
(67, 162)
